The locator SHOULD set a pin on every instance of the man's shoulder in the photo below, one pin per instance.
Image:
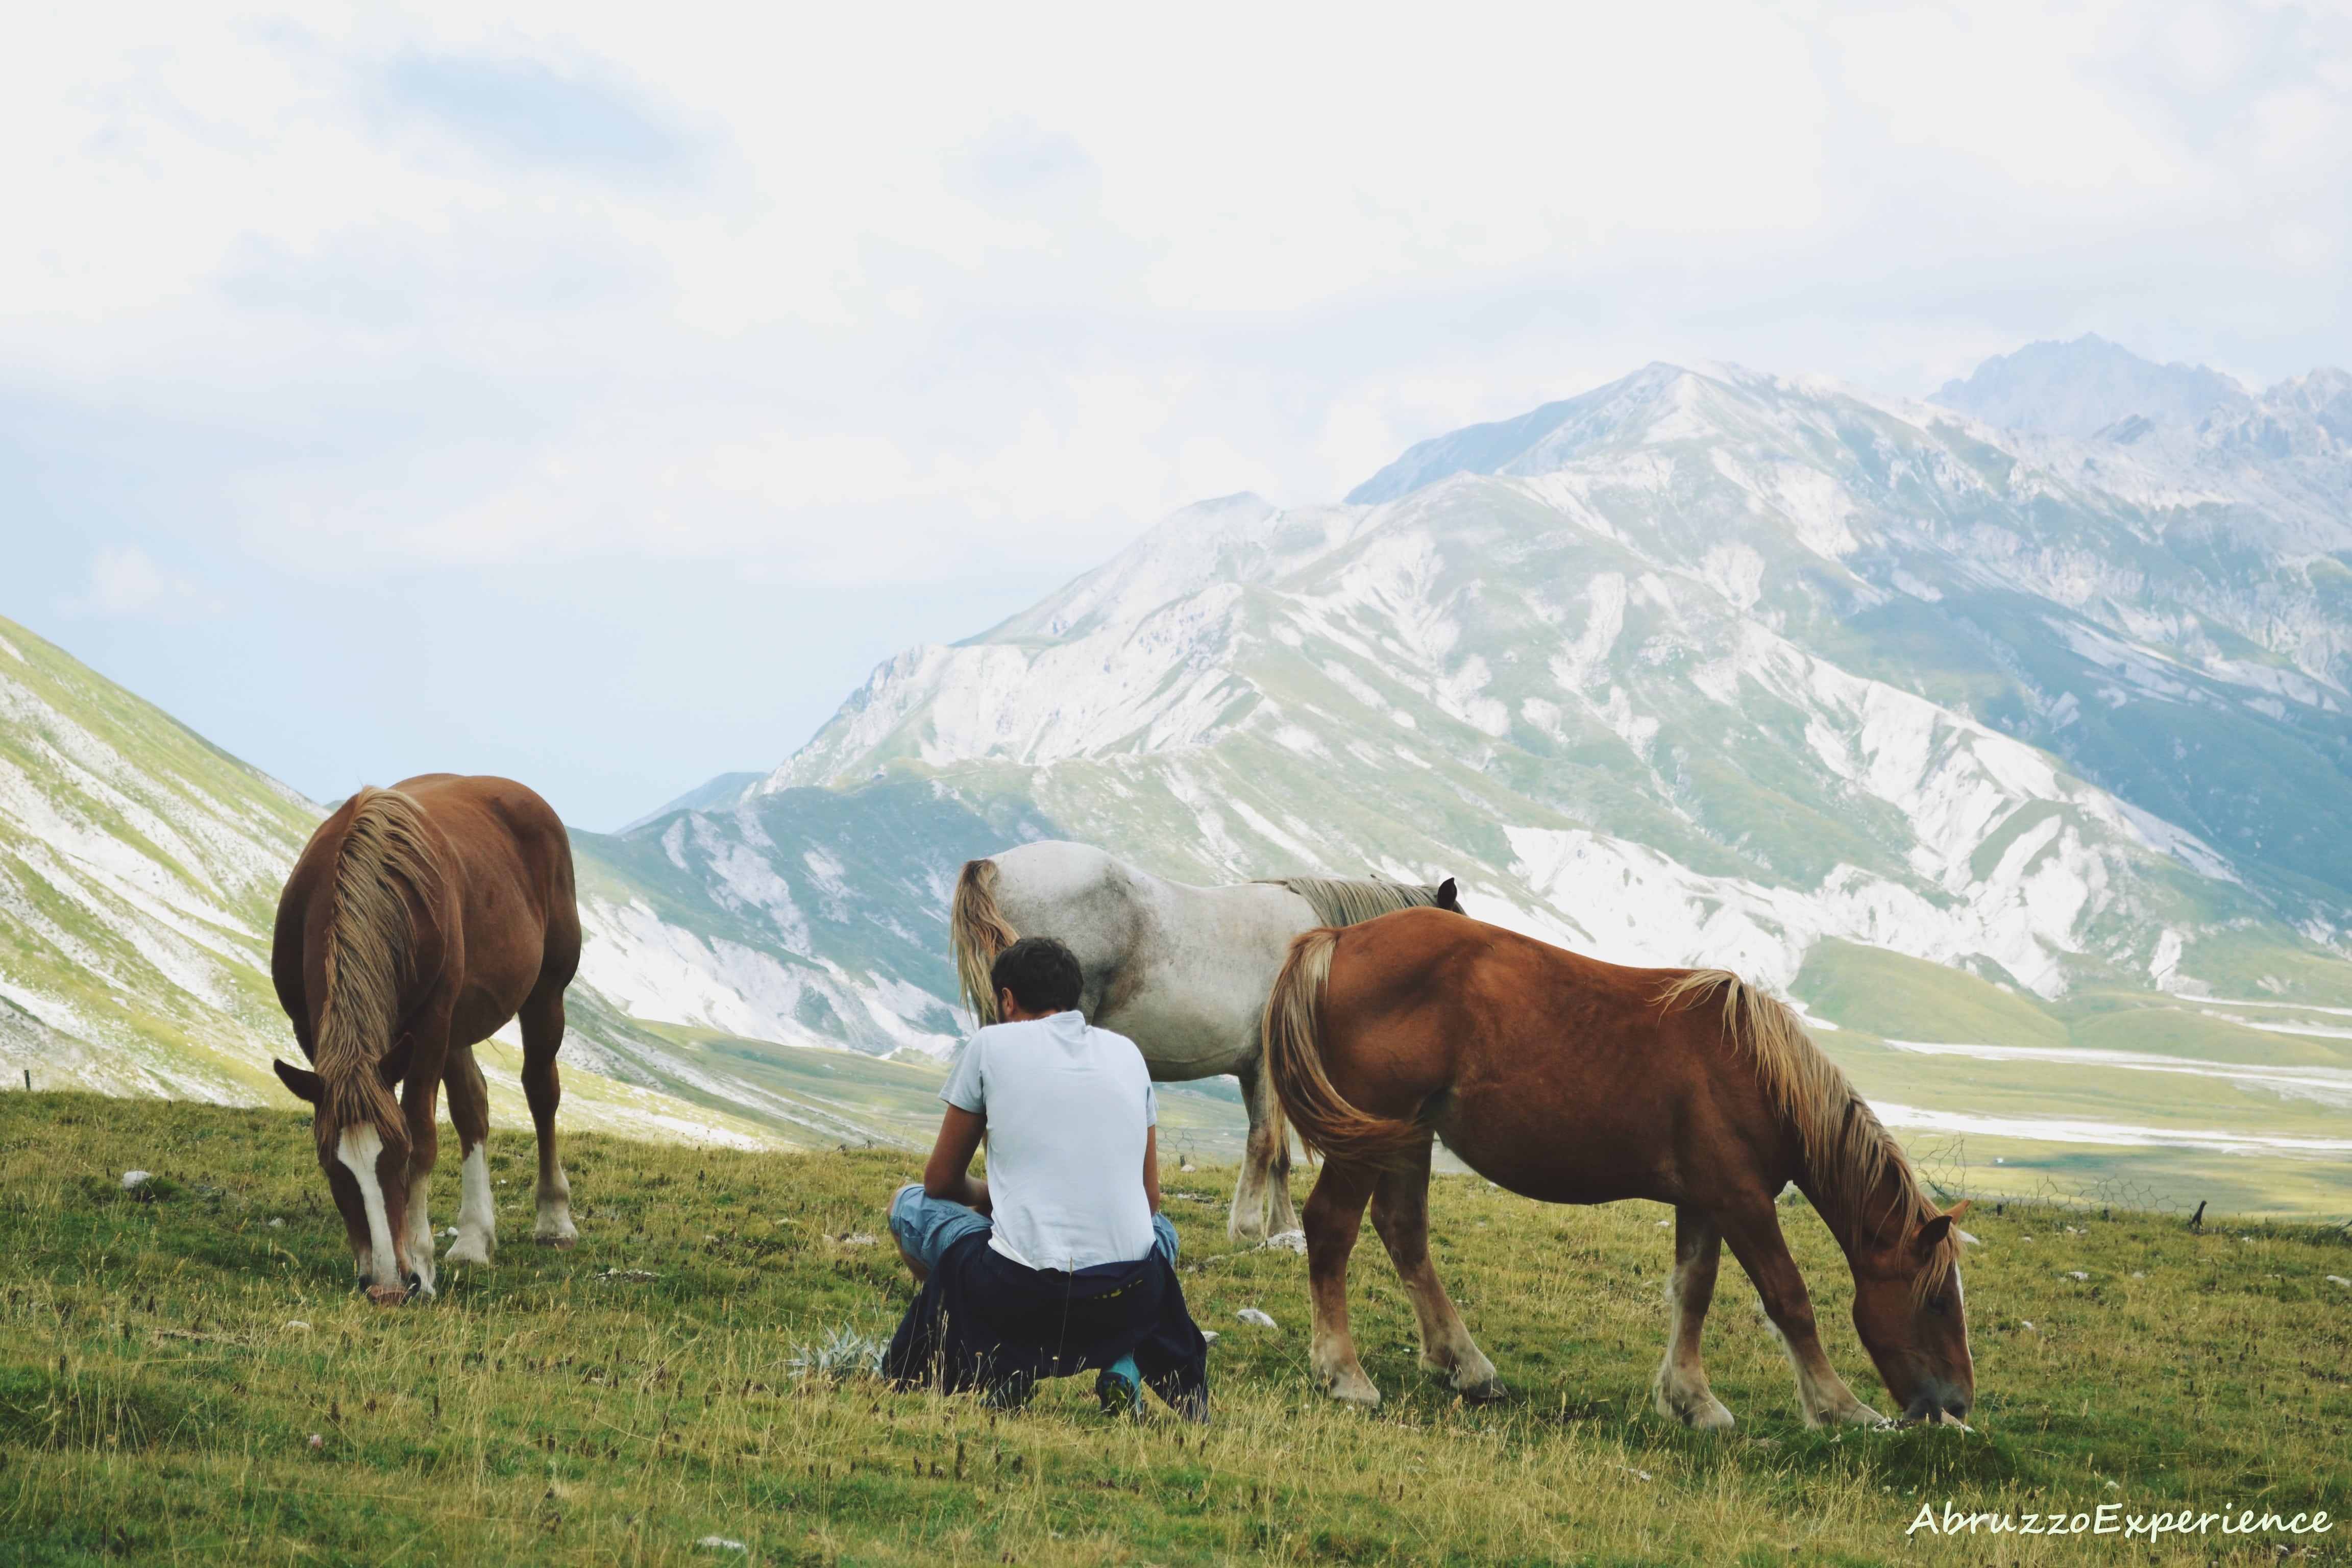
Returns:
(1112, 1046)
(1111, 1040)
(988, 1034)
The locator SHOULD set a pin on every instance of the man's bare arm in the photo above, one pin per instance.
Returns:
(1151, 1167)
(947, 1174)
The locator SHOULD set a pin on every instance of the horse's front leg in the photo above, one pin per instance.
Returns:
(469, 1110)
(1680, 1389)
(419, 1103)
(1754, 1232)
(1401, 1213)
(1335, 1213)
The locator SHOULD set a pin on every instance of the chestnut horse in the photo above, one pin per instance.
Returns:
(417, 922)
(1569, 1081)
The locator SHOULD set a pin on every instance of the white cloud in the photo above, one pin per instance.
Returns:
(124, 579)
(878, 292)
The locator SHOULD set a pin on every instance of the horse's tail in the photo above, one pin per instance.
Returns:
(977, 933)
(1326, 1124)
(371, 954)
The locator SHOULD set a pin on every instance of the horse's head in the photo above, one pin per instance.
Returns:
(363, 1148)
(1908, 1308)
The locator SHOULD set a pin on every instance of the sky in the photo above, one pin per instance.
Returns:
(595, 393)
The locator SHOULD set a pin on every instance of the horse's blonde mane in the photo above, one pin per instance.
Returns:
(977, 933)
(1351, 900)
(1848, 1152)
(370, 955)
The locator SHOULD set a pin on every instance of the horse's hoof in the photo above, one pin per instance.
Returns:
(467, 1250)
(562, 1241)
(1490, 1391)
(1357, 1390)
(1701, 1412)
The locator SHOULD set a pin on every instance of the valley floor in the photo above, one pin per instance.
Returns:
(183, 1380)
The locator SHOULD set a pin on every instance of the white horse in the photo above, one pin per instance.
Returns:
(1182, 971)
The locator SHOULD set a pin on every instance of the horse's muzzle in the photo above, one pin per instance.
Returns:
(1936, 1405)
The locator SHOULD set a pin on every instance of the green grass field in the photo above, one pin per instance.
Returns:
(165, 1364)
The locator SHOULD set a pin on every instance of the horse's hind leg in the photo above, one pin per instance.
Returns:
(1261, 1204)
(1401, 1213)
(470, 1108)
(1754, 1233)
(1335, 1213)
(542, 1034)
(1681, 1388)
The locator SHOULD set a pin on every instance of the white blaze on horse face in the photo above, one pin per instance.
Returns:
(358, 1150)
(476, 1213)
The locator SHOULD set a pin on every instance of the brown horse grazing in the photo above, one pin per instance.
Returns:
(417, 922)
(1569, 1080)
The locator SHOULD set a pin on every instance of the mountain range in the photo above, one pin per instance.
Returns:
(2007, 732)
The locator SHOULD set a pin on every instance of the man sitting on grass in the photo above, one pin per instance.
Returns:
(1060, 1262)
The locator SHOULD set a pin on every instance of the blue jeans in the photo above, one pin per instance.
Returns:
(927, 1226)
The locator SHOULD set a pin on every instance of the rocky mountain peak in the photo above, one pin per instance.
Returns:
(2084, 388)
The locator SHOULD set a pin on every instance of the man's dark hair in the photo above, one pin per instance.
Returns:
(1042, 974)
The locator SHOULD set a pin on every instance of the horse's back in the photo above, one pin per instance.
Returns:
(514, 896)
(1558, 1074)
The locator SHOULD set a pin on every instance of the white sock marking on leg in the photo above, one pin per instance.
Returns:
(477, 1212)
(420, 1232)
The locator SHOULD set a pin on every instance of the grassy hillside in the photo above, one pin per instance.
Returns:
(140, 867)
(163, 1365)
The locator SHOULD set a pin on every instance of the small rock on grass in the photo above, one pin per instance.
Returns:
(134, 1180)
(1251, 1315)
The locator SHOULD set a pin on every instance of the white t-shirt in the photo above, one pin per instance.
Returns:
(1068, 1107)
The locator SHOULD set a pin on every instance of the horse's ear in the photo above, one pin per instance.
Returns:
(1448, 897)
(392, 1065)
(301, 1081)
(1930, 1236)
